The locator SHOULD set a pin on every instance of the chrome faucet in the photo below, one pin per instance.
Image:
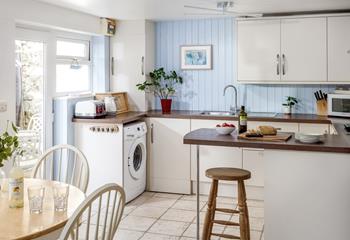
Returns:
(235, 108)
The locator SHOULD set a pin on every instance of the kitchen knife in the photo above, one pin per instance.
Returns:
(321, 95)
(315, 93)
(317, 96)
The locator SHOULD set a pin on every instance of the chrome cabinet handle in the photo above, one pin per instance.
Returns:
(283, 64)
(143, 65)
(278, 64)
(152, 133)
(112, 66)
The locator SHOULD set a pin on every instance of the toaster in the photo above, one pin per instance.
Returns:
(90, 109)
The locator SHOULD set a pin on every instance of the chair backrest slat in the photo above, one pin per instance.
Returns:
(54, 159)
(114, 209)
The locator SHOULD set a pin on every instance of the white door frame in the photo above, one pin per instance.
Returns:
(47, 37)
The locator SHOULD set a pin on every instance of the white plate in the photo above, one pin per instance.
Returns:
(309, 137)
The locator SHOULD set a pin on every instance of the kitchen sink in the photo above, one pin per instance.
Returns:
(250, 114)
(217, 113)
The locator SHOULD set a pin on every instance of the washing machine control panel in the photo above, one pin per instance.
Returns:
(135, 130)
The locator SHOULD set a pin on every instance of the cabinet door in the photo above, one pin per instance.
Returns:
(258, 50)
(169, 159)
(212, 156)
(314, 128)
(285, 127)
(128, 52)
(253, 161)
(339, 49)
(304, 49)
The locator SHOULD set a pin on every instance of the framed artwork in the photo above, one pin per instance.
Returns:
(196, 57)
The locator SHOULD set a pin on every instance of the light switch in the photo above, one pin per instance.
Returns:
(3, 106)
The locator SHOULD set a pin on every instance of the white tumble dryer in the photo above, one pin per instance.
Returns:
(135, 154)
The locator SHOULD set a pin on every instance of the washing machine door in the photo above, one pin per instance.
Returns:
(137, 158)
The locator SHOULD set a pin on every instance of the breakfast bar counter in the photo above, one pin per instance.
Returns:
(331, 143)
(306, 186)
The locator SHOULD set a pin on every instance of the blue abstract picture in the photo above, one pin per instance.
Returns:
(196, 57)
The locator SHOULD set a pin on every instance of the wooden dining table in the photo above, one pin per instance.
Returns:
(20, 224)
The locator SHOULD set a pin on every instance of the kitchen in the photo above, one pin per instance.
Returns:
(179, 79)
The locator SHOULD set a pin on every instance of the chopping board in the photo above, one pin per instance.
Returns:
(280, 137)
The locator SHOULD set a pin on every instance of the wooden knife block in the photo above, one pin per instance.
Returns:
(322, 107)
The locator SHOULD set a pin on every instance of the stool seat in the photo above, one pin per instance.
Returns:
(227, 174)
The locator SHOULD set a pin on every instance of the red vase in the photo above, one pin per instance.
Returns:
(166, 105)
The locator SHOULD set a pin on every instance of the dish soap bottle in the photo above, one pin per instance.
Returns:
(242, 120)
(16, 187)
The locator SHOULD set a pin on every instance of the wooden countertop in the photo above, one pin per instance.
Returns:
(296, 118)
(118, 119)
(332, 143)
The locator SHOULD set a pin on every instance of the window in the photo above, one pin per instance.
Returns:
(73, 67)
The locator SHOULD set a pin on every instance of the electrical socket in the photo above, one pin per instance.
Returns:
(3, 106)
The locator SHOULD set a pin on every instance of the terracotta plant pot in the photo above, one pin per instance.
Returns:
(166, 105)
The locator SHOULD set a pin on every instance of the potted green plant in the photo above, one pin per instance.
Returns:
(8, 146)
(162, 85)
(288, 105)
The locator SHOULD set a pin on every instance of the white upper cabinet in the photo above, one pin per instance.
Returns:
(282, 50)
(304, 50)
(258, 50)
(339, 49)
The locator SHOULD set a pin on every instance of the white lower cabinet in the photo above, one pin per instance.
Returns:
(169, 164)
(212, 156)
(253, 161)
(314, 128)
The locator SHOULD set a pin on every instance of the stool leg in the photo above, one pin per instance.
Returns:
(209, 216)
(243, 212)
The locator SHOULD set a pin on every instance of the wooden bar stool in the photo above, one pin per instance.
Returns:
(227, 174)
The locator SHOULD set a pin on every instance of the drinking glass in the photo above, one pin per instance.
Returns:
(36, 199)
(60, 195)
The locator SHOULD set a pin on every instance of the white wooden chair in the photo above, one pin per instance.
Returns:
(98, 216)
(63, 163)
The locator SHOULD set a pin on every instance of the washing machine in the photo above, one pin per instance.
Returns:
(135, 156)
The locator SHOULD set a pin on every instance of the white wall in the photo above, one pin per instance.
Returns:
(39, 14)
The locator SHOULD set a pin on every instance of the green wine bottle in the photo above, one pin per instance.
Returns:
(242, 120)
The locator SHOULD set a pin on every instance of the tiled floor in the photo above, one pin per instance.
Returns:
(160, 216)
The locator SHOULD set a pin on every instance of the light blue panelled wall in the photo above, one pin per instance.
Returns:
(203, 89)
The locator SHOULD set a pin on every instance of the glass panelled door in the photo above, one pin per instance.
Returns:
(30, 87)
(33, 104)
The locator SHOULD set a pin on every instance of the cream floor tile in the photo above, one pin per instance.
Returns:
(148, 194)
(256, 212)
(254, 235)
(136, 223)
(168, 195)
(123, 234)
(192, 231)
(218, 216)
(128, 209)
(256, 224)
(255, 203)
(160, 202)
(169, 227)
(202, 198)
(148, 211)
(154, 236)
(187, 238)
(187, 205)
(229, 200)
(139, 201)
(179, 215)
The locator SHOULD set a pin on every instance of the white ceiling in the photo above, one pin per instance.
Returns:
(173, 9)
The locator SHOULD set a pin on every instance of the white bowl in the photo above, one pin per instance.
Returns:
(309, 137)
(225, 130)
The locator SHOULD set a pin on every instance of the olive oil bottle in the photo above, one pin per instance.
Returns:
(242, 120)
